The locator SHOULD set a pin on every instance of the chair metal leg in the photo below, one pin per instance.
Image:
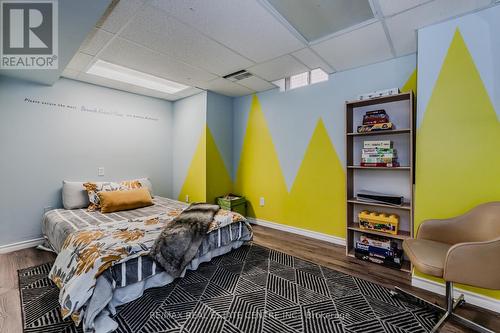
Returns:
(448, 313)
(449, 307)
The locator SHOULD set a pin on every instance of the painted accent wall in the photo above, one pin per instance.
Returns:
(202, 147)
(65, 132)
(289, 147)
(458, 118)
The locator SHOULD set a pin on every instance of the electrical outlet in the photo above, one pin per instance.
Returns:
(187, 197)
(100, 172)
(262, 201)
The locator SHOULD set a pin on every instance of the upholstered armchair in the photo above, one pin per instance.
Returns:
(463, 249)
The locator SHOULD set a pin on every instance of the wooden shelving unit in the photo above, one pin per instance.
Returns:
(396, 180)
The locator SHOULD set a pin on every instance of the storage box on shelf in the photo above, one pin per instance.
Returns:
(381, 167)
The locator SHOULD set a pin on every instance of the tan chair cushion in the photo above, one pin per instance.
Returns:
(114, 201)
(426, 255)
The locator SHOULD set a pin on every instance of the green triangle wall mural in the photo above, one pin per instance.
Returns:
(457, 144)
(259, 173)
(317, 200)
(196, 180)
(218, 180)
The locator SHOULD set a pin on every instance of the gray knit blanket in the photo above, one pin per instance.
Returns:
(179, 241)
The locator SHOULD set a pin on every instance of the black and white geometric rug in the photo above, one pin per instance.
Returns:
(252, 289)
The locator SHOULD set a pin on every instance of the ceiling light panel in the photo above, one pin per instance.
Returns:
(130, 76)
(315, 19)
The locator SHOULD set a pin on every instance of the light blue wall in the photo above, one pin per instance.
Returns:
(434, 41)
(220, 122)
(42, 145)
(189, 120)
(292, 115)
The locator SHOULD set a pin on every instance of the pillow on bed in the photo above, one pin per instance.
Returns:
(138, 183)
(94, 188)
(74, 195)
(115, 201)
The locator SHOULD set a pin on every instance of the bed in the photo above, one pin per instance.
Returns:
(127, 278)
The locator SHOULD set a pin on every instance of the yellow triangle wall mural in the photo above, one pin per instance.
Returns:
(317, 199)
(457, 144)
(259, 173)
(218, 180)
(196, 180)
(411, 83)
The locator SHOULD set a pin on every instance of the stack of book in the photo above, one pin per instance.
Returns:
(379, 154)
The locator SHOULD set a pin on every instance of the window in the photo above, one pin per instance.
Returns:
(280, 84)
(301, 80)
(318, 75)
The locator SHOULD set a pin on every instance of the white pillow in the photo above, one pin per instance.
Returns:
(145, 182)
(74, 195)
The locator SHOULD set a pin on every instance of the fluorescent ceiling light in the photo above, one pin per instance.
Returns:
(127, 75)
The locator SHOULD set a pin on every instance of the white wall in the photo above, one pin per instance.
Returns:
(41, 145)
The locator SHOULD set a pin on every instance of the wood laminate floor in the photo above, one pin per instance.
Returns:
(322, 253)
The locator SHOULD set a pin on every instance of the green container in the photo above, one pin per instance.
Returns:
(234, 203)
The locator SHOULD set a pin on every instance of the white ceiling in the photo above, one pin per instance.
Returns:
(197, 42)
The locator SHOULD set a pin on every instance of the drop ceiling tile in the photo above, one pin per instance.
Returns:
(312, 60)
(161, 32)
(255, 83)
(226, 87)
(79, 61)
(118, 14)
(70, 73)
(391, 7)
(95, 41)
(278, 68)
(132, 55)
(244, 26)
(188, 92)
(402, 27)
(356, 48)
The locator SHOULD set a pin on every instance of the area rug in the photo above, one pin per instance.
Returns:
(252, 289)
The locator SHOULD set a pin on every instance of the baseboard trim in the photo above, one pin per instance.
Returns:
(298, 231)
(20, 245)
(470, 297)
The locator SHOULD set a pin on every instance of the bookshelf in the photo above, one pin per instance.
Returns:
(396, 180)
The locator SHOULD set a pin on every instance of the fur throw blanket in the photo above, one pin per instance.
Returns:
(179, 241)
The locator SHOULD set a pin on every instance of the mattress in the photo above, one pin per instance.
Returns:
(57, 224)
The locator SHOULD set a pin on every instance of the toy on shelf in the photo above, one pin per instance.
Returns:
(379, 250)
(382, 222)
(377, 120)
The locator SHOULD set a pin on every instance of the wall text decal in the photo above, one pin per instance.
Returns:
(87, 109)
